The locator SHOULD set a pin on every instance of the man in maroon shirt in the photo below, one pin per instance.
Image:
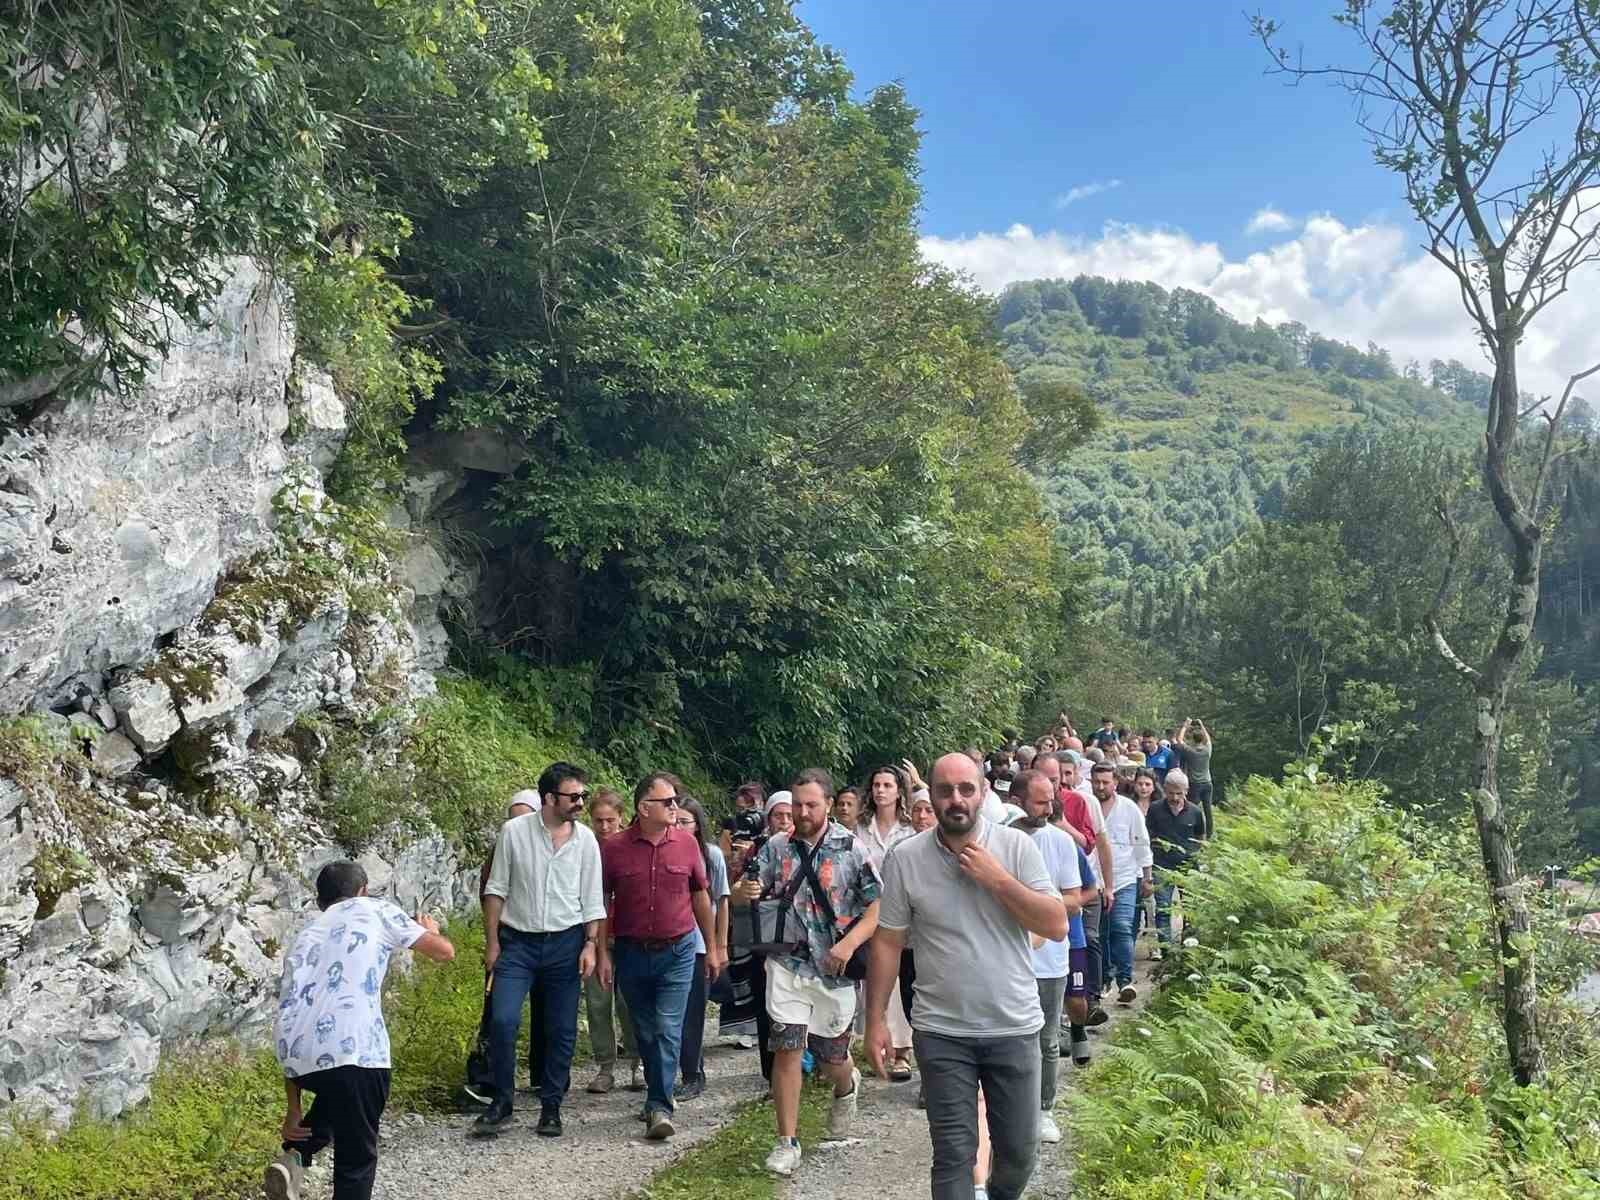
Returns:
(654, 881)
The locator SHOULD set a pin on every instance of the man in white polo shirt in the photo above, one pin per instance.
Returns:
(969, 893)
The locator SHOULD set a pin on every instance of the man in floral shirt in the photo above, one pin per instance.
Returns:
(809, 996)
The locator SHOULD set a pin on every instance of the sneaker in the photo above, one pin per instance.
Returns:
(1155, 953)
(785, 1157)
(549, 1121)
(1049, 1131)
(1097, 1016)
(745, 1042)
(922, 1095)
(602, 1083)
(1128, 994)
(842, 1114)
(689, 1089)
(284, 1176)
(477, 1093)
(493, 1120)
(636, 1077)
(659, 1127)
(980, 1192)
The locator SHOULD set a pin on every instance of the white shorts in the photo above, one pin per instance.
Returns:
(823, 1011)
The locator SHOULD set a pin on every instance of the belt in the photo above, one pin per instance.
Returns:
(649, 944)
(536, 937)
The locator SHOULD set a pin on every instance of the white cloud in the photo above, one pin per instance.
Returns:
(1084, 190)
(1358, 283)
(1269, 220)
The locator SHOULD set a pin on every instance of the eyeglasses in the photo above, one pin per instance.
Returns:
(669, 801)
(580, 797)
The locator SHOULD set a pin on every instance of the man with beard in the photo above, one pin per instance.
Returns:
(833, 895)
(969, 893)
(1052, 960)
(542, 909)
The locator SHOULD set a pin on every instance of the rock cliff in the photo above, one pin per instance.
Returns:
(181, 607)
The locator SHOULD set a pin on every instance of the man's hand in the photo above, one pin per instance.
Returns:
(294, 1130)
(877, 1046)
(1146, 888)
(715, 962)
(586, 960)
(983, 868)
(426, 922)
(837, 959)
(491, 954)
(603, 972)
(748, 889)
(1107, 900)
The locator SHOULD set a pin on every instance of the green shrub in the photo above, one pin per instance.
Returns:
(1329, 1027)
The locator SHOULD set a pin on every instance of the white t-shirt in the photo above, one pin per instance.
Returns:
(330, 996)
(1061, 861)
(1130, 842)
(717, 888)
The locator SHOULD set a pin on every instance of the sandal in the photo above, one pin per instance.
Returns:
(899, 1071)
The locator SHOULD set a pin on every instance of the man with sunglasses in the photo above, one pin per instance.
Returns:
(543, 911)
(654, 882)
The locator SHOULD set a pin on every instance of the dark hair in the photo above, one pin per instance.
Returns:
(691, 806)
(751, 787)
(1024, 780)
(339, 881)
(1105, 720)
(848, 789)
(816, 775)
(902, 784)
(650, 780)
(558, 773)
(1149, 733)
(1108, 767)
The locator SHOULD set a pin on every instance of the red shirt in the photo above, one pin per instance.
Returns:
(1076, 811)
(649, 886)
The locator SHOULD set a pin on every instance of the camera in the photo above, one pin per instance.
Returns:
(748, 824)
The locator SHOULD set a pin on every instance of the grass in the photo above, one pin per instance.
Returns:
(730, 1162)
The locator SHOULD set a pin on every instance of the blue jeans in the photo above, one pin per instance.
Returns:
(1164, 895)
(546, 963)
(1119, 939)
(655, 984)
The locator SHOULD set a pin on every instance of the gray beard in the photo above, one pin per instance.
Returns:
(1030, 823)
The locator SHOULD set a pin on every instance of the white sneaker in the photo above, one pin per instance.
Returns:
(979, 1192)
(1049, 1131)
(785, 1157)
(1155, 953)
(284, 1177)
(842, 1114)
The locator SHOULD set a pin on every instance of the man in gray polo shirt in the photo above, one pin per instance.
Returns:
(968, 893)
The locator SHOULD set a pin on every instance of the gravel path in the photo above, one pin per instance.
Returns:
(602, 1153)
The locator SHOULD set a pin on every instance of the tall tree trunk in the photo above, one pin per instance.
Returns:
(1508, 892)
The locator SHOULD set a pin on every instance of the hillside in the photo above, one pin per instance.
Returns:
(1204, 419)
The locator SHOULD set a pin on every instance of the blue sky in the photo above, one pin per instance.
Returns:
(1143, 140)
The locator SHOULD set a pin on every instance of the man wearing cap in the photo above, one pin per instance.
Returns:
(542, 915)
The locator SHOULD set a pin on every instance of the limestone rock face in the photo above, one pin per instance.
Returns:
(117, 515)
(178, 644)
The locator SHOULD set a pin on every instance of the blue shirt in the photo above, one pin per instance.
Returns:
(1160, 762)
(1076, 938)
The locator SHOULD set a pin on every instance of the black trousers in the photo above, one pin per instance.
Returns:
(908, 980)
(349, 1102)
(691, 1051)
(758, 994)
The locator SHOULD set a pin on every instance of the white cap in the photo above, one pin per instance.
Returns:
(776, 799)
(527, 796)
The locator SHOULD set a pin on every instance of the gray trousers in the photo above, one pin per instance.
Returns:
(1007, 1069)
(608, 1015)
(1051, 994)
(1095, 972)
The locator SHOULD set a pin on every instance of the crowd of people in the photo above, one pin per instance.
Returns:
(967, 926)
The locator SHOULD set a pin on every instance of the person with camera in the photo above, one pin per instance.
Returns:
(824, 897)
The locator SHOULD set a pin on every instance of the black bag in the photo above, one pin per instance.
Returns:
(766, 921)
(856, 968)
